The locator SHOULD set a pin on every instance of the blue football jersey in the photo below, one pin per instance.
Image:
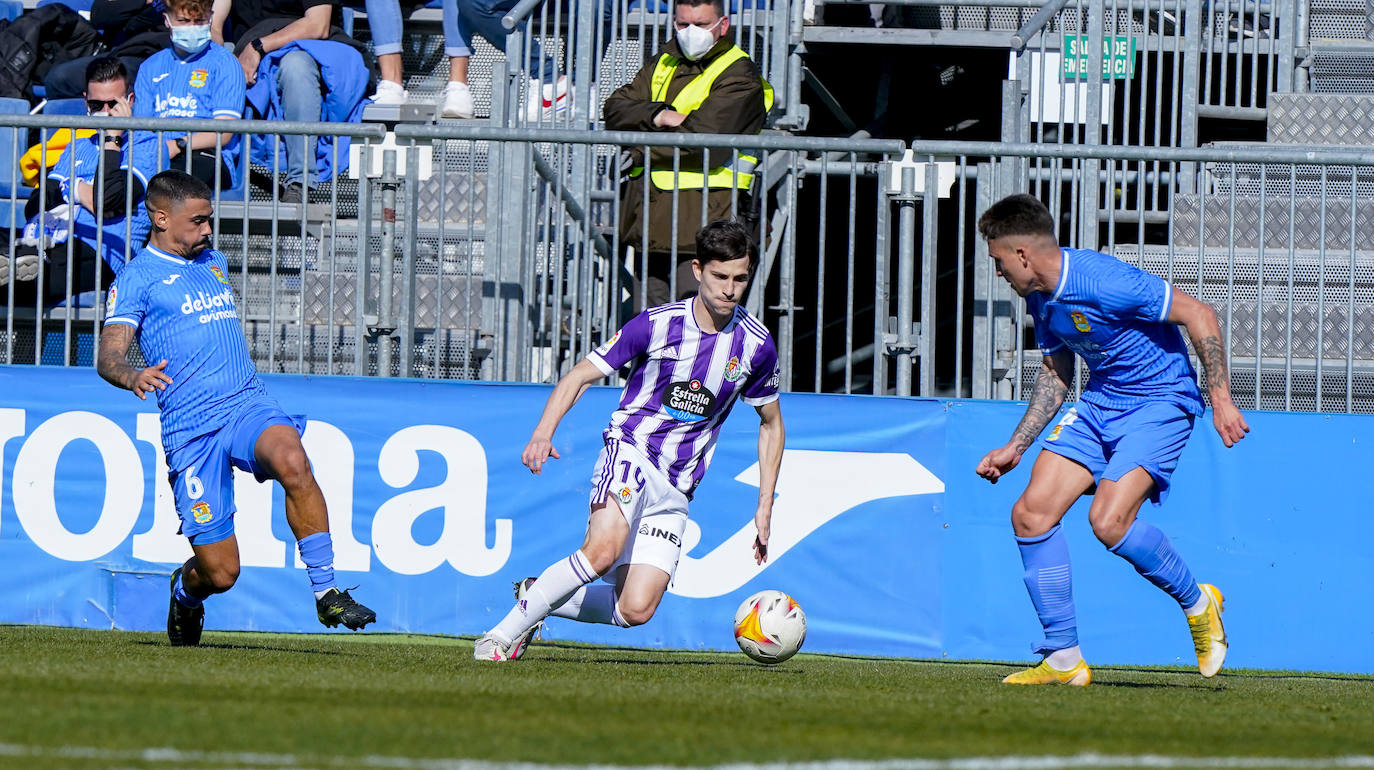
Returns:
(118, 234)
(184, 313)
(1114, 316)
(207, 85)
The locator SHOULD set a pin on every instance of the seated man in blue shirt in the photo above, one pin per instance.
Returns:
(92, 200)
(194, 78)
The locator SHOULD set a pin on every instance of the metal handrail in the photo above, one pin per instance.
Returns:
(517, 14)
(1036, 23)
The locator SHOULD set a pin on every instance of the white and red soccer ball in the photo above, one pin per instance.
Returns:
(770, 626)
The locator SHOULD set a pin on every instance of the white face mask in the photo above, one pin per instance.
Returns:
(695, 41)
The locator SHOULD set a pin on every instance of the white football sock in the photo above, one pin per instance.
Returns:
(592, 604)
(1199, 607)
(551, 589)
(1065, 659)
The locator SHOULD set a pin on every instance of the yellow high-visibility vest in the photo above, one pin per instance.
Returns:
(735, 173)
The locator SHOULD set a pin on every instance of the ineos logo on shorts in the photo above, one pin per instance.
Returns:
(645, 529)
(689, 401)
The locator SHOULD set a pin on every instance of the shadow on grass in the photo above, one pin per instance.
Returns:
(241, 646)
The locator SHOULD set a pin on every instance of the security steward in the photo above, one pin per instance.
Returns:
(701, 83)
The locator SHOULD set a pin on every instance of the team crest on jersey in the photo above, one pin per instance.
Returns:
(199, 77)
(110, 302)
(733, 371)
(219, 274)
(625, 495)
(689, 401)
(1080, 322)
(201, 512)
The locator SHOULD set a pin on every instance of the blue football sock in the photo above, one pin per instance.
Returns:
(1046, 559)
(184, 598)
(1152, 555)
(317, 551)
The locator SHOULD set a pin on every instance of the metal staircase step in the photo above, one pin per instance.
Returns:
(1313, 118)
(1208, 219)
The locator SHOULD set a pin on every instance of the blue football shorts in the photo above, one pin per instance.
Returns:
(1112, 442)
(201, 470)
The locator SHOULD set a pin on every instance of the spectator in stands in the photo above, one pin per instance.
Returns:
(548, 95)
(194, 78)
(384, 22)
(99, 179)
(700, 83)
(131, 30)
(295, 47)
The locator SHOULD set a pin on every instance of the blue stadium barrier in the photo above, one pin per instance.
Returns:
(882, 531)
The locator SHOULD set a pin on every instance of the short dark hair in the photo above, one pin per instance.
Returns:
(724, 240)
(1020, 214)
(719, 4)
(105, 69)
(172, 186)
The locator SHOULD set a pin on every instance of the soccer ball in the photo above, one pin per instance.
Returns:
(770, 626)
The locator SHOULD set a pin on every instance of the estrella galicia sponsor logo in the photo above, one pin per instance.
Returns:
(201, 512)
(648, 531)
(689, 401)
(212, 307)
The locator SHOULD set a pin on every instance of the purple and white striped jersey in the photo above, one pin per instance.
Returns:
(683, 384)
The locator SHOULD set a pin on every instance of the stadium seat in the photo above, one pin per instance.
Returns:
(64, 107)
(13, 194)
(10, 9)
(82, 7)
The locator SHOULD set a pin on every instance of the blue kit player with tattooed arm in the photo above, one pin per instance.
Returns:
(175, 298)
(1125, 434)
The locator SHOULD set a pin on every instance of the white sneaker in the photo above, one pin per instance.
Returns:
(457, 101)
(488, 649)
(25, 268)
(389, 93)
(544, 101)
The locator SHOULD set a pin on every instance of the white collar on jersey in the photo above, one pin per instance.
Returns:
(1063, 274)
(171, 257)
(692, 314)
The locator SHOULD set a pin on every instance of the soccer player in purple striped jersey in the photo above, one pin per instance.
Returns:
(216, 414)
(689, 362)
(1123, 437)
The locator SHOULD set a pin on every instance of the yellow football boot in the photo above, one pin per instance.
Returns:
(1209, 636)
(1078, 676)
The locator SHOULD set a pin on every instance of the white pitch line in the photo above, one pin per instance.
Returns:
(257, 761)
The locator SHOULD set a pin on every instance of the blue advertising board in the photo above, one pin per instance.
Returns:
(881, 529)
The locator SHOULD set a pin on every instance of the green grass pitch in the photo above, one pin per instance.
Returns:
(80, 699)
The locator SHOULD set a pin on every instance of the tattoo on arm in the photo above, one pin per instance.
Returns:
(1212, 354)
(113, 363)
(1046, 398)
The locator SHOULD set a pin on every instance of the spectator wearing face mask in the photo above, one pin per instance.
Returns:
(194, 78)
(701, 83)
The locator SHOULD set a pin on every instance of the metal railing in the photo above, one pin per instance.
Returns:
(872, 278)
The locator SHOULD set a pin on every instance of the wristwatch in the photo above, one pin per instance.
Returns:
(257, 46)
(181, 145)
(118, 139)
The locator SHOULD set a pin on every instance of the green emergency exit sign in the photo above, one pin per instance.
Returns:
(1118, 57)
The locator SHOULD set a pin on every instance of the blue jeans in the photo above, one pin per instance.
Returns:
(457, 39)
(384, 21)
(298, 77)
(484, 18)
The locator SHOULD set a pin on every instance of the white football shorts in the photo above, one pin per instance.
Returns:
(655, 510)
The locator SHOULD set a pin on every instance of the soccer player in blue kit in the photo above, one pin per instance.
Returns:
(216, 413)
(1125, 434)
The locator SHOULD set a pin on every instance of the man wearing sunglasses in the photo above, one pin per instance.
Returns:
(92, 200)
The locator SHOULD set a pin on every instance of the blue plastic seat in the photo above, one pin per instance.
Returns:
(10, 9)
(65, 107)
(13, 193)
(75, 5)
